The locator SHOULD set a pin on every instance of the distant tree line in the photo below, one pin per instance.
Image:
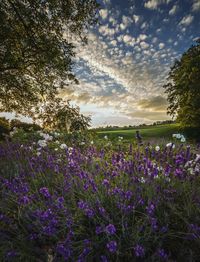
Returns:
(110, 128)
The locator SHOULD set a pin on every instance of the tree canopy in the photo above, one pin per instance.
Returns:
(183, 88)
(58, 114)
(36, 51)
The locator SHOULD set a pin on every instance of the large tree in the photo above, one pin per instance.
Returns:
(183, 88)
(58, 114)
(36, 49)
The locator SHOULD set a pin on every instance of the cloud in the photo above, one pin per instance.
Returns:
(154, 4)
(144, 45)
(103, 13)
(174, 10)
(136, 18)
(128, 39)
(156, 103)
(161, 45)
(196, 5)
(186, 20)
(147, 115)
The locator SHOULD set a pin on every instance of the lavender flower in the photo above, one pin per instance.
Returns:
(139, 251)
(45, 192)
(110, 229)
(112, 246)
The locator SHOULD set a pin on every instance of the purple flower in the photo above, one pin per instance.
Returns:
(45, 192)
(105, 182)
(64, 251)
(162, 254)
(24, 200)
(99, 230)
(110, 229)
(128, 195)
(11, 254)
(139, 251)
(89, 212)
(112, 246)
(102, 211)
(82, 204)
(150, 209)
(104, 258)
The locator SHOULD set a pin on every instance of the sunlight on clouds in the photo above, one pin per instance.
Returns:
(124, 66)
(153, 4)
(196, 5)
(186, 20)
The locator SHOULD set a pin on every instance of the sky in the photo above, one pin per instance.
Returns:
(123, 68)
(129, 53)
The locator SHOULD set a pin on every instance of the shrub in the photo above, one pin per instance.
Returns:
(4, 127)
(89, 204)
(15, 123)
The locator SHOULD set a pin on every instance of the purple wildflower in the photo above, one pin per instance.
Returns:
(112, 246)
(104, 258)
(110, 229)
(162, 254)
(64, 251)
(45, 192)
(99, 230)
(139, 251)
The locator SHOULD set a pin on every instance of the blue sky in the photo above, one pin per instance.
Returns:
(129, 53)
(124, 66)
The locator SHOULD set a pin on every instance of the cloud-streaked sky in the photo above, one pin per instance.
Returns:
(124, 66)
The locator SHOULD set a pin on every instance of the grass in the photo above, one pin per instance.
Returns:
(160, 131)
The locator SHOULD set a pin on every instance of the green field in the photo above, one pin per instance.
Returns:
(160, 131)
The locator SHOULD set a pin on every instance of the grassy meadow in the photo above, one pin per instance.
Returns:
(148, 132)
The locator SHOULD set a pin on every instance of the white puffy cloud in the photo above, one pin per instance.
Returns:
(103, 13)
(161, 45)
(144, 45)
(136, 18)
(106, 31)
(114, 42)
(154, 4)
(127, 38)
(142, 37)
(196, 5)
(186, 20)
(174, 10)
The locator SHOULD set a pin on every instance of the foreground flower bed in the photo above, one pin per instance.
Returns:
(89, 204)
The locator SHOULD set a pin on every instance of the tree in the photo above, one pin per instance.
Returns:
(36, 50)
(58, 114)
(4, 127)
(183, 88)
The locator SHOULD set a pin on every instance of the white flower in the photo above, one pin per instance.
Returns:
(178, 136)
(142, 180)
(38, 153)
(42, 143)
(56, 149)
(63, 146)
(170, 145)
(92, 142)
(157, 148)
(57, 142)
(197, 157)
(105, 137)
(82, 143)
(183, 139)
